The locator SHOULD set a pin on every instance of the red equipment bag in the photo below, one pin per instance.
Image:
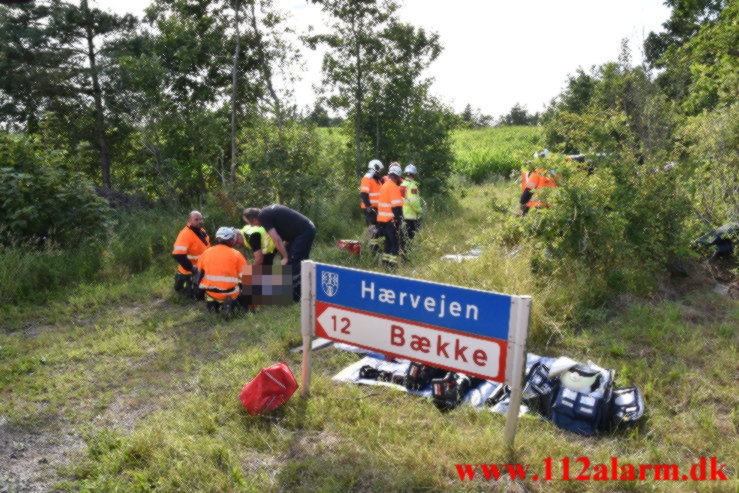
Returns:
(269, 390)
(352, 246)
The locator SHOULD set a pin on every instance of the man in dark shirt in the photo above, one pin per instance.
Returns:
(291, 232)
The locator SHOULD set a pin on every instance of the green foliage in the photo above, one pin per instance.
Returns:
(416, 129)
(473, 119)
(709, 171)
(143, 237)
(706, 65)
(30, 273)
(624, 221)
(519, 115)
(43, 200)
(616, 109)
(282, 164)
(685, 20)
(486, 153)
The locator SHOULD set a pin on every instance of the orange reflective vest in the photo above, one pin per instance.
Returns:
(536, 181)
(390, 196)
(190, 244)
(222, 266)
(371, 187)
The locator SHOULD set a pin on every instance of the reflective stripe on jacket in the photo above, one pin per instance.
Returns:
(371, 187)
(222, 267)
(188, 243)
(390, 197)
(412, 204)
(536, 181)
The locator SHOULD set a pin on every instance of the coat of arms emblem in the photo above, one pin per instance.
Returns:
(330, 283)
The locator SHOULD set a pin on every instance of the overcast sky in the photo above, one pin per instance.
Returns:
(496, 52)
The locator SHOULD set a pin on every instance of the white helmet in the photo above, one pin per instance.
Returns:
(410, 169)
(375, 165)
(225, 233)
(395, 169)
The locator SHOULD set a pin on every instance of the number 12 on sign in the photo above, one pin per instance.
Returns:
(345, 323)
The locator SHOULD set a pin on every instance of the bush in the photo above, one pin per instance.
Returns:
(624, 221)
(143, 236)
(43, 201)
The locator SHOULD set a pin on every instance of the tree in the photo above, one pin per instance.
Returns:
(57, 61)
(519, 115)
(407, 124)
(352, 65)
(83, 29)
(467, 116)
(31, 59)
(686, 19)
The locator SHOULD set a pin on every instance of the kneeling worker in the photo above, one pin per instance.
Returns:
(259, 242)
(221, 267)
(390, 215)
(189, 245)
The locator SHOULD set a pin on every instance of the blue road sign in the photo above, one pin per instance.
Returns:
(467, 310)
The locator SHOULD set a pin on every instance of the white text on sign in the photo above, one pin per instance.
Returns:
(464, 353)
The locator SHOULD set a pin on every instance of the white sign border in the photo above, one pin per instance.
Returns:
(515, 352)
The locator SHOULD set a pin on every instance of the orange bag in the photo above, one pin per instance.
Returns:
(268, 390)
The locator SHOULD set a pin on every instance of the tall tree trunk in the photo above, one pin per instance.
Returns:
(97, 95)
(358, 100)
(234, 90)
(266, 68)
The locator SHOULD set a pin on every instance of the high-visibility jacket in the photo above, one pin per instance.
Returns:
(412, 205)
(371, 186)
(536, 180)
(268, 246)
(190, 244)
(222, 266)
(390, 197)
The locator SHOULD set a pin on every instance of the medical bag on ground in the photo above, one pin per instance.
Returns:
(537, 389)
(627, 406)
(584, 411)
(268, 390)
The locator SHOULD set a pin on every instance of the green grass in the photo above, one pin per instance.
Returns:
(152, 382)
(481, 154)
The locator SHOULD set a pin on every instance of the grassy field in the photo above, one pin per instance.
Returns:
(121, 386)
(489, 152)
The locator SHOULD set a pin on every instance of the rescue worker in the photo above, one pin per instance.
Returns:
(191, 242)
(390, 215)
(221, 267)
(292, 234)
(369, 192)
(386, 177)
(412, 204)
(259, 242)
(533, 181)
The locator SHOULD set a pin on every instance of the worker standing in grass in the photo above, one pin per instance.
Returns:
(292, 234)
(259, 242)
(390, 215)
(412, 204)
(369, 193)
(221, 267)
(191, 242)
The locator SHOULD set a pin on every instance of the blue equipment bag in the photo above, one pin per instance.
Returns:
(586, 413)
